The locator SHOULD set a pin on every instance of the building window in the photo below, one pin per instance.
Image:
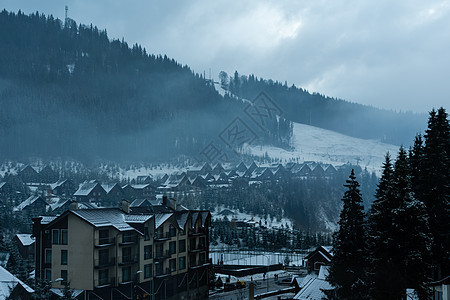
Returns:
(148, 252)
(48, 256)
(146, 234)
(172, 231)
(147, 271)
(201, 243)
(173, 247)
(63, 257)
(48, 274)
(103, 236)
(192, 244)
(55, 237)
(129, 237)
(158, 269)
(182, 263)
(64, 238)
(103, 277)
(173, 265)
(182, 246)
(126, 254)
(126, 274)
(201, 258)
(103, 257)
(64, 277)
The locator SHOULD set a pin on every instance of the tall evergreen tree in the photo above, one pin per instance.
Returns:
(384, 266)
(436, 189)
(348, 267)
(411, 223)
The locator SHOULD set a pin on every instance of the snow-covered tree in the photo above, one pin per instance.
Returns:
(348, 266)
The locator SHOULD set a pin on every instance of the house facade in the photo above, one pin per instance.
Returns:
(158, 252)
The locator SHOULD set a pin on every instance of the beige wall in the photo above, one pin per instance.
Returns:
(80, 255)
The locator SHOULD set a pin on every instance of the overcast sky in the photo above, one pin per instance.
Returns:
(389, 54)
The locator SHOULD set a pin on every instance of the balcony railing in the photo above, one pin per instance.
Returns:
(160, 237)
(102, 262)
(124, 260)
(105, 281)
(104, 242)
(129, 239)
(197, 232)
(162, 273)
(162, 254)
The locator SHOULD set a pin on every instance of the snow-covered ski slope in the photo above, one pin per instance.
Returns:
(320, 145)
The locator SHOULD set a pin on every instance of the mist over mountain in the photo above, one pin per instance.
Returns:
(314, 109)
(67, 90)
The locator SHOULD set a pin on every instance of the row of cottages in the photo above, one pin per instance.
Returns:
(149, 251)
(46, 175)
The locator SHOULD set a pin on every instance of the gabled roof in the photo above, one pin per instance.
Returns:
(57, 184)
(86, 188)
(25, 239)
(30, 200)
(104, 217)
(182, 219)
(313, 288)
(241, 167)
(2, 184)
(109, 187)
(161, 218)
(8, 282)
(140, 202)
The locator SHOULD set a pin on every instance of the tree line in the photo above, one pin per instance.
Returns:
(404, 240)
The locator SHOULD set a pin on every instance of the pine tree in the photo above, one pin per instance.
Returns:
(411, 222)
(384, 267)
(348, 267)
(436, 189)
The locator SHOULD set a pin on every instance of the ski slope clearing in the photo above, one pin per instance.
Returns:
(316, 144)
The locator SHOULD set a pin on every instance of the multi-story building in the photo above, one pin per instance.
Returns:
(151, 252)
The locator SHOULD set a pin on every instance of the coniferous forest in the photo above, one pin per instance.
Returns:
(403, 241)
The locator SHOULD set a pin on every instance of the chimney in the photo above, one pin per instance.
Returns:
(165, 201)
(173, 204)
(125, 205)
(73, 205)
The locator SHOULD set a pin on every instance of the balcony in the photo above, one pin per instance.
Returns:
(105, 242)
(197, 232)
(103, 263)
(159, 273)
(162, 255)
(161, 237)
(129, 240)
(101, 282)
(196, 249)
(127, 260)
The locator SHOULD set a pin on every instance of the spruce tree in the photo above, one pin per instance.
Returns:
(384, 267)
(436, 189)
(348, 266)
(411, 222)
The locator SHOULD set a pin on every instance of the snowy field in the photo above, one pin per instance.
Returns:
(256, 258)
(320, 145)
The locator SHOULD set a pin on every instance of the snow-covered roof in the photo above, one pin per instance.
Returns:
(140, 186)
(30, 200)
(57, 184)
(105, 217)
(85, 188)
(137, 218)
(312, 288)
(25, 239)
(140, 202)
(182, 219)
(8, 282)
(47, 219)
(2, 184)
(161, 218)
(60, 292)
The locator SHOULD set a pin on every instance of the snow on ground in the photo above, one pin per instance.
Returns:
(270, 222)
(316, 144)
(256, 258)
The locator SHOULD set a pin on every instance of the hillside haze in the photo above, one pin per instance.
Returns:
(67, 90)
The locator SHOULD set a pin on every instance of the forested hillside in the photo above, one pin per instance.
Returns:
(314, 109)
(68, 90)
